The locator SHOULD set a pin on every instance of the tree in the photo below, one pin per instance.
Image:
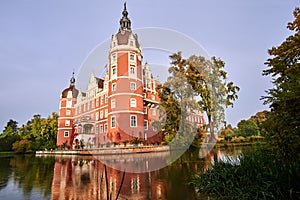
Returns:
(209, 82)
(283, 122)
(176, 104)
(13, 124)
(247, 128)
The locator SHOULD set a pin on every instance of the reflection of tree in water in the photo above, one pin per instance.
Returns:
(32, 172)
(5, 171)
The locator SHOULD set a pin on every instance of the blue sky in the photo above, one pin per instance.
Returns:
(41, 42)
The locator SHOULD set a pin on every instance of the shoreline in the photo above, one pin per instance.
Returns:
(106, 151)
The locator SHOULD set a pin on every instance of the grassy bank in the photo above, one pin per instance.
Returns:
(8, 153)
(262, 174)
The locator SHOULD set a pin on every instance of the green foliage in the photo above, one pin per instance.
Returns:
(259, 175)
(283, 122)
(247, 128)
(7, 138)
(209, 82)
(38, 133)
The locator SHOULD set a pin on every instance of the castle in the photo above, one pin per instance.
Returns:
(118, 107)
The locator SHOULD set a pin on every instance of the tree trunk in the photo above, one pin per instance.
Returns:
(212, 137)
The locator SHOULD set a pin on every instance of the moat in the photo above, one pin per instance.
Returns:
(83, 177)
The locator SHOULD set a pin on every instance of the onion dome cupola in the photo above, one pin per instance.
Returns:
(71, 91)
(125, 38)
(125, 23)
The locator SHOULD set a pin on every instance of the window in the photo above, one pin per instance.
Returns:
(144, 95)
(106, 99)
(133, 102)
(132, 70)
(105, 128)
(101, 114)
(105, 86)
(132, 56)
(66, 134)
(68, 112)
(113, 103)
(145, 110)
(88, 106)
(153, 111)
(133, 121)
(131, 43)
(102, 100)
(67, 122)
(97, 116)
(146, 124)
(132, 86)
(97, 102)
(114, 70)
(105, 114)
(113, 122)
(97, 129)
(114, 56)
(101, 128)
(69, 104)
(93, 104)
(114, 87)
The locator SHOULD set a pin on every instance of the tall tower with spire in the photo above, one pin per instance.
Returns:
(67, 102)
(125, 90)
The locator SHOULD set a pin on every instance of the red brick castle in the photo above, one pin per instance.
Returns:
(118, 107)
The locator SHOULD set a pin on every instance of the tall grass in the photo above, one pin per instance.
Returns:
(262, 174)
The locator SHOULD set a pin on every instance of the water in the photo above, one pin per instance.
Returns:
(83, 177)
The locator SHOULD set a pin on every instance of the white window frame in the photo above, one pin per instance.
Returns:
(101, 128)
(133, 123)
(113, 122)
(132, 86)
(105, 128)
(68, 112)
(113, 86)
(132, 70)
(113, 103)
(105, 113)
(147, 125)
(66, 134)
(132, 102)
(145, 109)
(67, 122)
(101, 114)
(69, 104)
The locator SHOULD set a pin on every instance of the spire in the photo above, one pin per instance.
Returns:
(125, 23)
(72, 80)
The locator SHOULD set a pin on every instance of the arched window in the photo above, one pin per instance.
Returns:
(133, 102)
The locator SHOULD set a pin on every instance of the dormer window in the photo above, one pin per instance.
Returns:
(131, 43)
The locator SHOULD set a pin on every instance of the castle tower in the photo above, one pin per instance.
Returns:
(67, 100)
(125, 89)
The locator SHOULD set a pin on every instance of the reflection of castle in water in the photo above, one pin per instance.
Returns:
(84, 178)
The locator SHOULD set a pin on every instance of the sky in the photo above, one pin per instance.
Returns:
(42, 42)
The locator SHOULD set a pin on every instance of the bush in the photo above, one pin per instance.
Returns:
(258, 175)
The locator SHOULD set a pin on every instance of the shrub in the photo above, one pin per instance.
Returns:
(258, 175)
